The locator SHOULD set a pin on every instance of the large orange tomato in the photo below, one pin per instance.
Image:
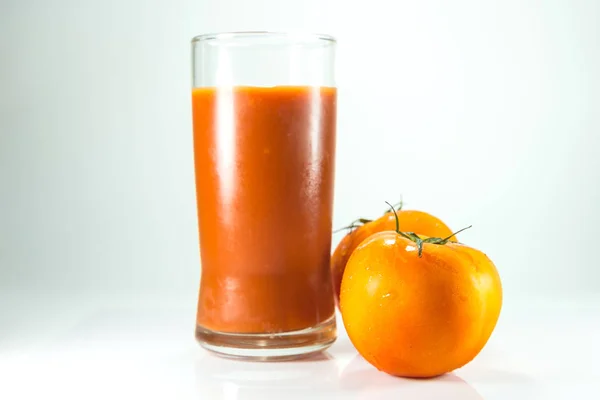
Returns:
(419, 308)
(410, 221)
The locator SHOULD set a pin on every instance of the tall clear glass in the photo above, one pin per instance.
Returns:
(264, 116)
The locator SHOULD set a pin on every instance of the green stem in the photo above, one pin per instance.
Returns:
(396, 215)
(361, 221)
(415, 238)
(398, 206)
(354, 224)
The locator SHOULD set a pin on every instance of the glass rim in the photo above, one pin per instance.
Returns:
(262, 34)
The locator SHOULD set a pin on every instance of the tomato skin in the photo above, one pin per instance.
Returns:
(409, 220)
(419, 316)
(344, 250)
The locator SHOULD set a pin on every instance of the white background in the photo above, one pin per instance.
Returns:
(483, 113)
(480, 112)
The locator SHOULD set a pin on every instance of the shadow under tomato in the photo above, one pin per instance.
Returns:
(361, 377)
(486, 375)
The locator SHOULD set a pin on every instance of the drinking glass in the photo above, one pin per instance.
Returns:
(264, 118)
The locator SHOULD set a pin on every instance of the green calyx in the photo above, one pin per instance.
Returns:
(416, 239)
(354, 224)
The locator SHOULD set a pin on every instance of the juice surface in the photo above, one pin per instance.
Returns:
(264, 159)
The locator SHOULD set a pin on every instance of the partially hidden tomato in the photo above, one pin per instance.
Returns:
(419, 308)
(415, 221)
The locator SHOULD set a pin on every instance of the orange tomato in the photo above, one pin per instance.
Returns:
(419, 316)
(410, 221)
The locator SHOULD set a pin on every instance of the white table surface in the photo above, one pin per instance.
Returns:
(111, 346)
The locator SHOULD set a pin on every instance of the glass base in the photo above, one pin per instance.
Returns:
(269, 346)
